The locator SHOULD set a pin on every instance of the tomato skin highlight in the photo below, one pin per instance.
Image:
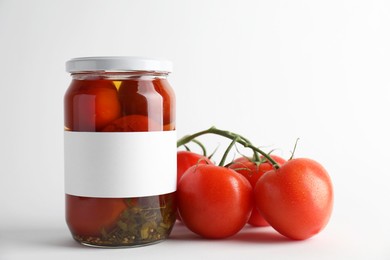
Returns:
(296, 199)
(213, 201)
(252, 173)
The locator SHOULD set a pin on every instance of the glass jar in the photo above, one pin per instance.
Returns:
(120, 151)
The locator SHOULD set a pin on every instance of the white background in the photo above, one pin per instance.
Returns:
(270, 70)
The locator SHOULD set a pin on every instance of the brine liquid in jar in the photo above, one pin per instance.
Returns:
(120, 151)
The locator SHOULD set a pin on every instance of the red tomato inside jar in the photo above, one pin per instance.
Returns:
(120, 151)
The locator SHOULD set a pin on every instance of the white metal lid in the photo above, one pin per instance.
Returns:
(118, 63)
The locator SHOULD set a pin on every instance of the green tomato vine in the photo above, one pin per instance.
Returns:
(236, 138)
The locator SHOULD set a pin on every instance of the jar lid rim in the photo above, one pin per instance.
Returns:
(118, 63)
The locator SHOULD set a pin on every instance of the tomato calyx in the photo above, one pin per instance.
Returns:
(236, 138)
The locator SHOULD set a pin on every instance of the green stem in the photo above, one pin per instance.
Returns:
(201, 146)
(228, 150)
(232, 136)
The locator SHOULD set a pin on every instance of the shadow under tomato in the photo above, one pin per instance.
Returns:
(181, 232)
(248, 234)
(259, 235)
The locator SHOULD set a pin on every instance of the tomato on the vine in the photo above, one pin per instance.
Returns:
(186, 159)
(252, 172)
(214, 201)
(296, 199)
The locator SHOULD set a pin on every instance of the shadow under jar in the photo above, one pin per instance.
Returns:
(120, 151)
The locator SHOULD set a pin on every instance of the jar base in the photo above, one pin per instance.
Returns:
(125, 245)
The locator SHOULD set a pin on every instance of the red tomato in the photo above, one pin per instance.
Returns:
(91, 104)
(186, 159)
(214, 201)
(296, 199)
(90, 215)
(252, 173)
(133, 123)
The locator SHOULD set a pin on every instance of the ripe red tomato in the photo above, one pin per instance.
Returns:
(214, 201)
(90, 215)
(186, 159)
(252, 172)
(296, 199)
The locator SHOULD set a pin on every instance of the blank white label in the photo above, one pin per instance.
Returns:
(120, 164)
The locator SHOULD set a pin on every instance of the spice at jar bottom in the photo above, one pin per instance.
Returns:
(120, 151)
(143, 221)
